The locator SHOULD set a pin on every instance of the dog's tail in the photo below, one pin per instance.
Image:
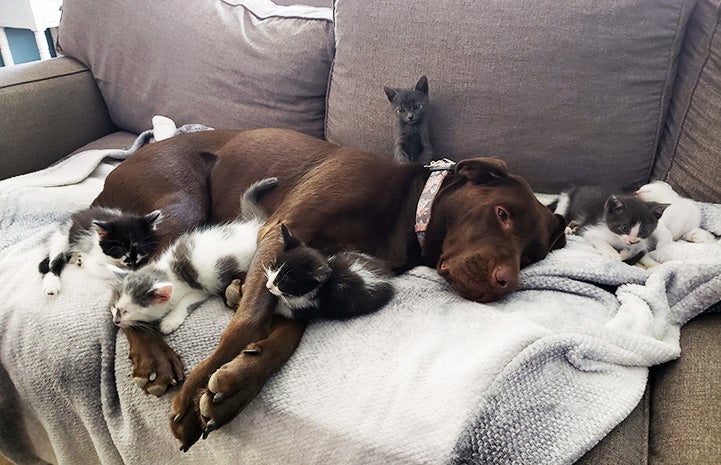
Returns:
(250, 208)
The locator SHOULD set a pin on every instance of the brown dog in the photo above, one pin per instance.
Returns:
(485, 224)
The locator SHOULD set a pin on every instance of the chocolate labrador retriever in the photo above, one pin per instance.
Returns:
(484, 225)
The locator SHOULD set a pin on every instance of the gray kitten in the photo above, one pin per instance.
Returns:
(619, 225)
(413, 141)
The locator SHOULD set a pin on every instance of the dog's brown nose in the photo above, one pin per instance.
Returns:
(504, 279)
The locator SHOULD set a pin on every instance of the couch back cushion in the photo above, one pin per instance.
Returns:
(565, 92)
(690, 151)
(237, 64)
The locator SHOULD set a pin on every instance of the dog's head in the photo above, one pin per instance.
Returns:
(485, 225)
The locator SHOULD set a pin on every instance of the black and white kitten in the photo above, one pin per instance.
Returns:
(618, 225)
(198, 265)
(413, 141)
(310, 285)
(96, 237)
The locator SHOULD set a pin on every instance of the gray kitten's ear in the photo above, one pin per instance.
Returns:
(422, 85)
(153, 218)
(161, 292)
(390, 93)
(614, 205)
(658, 208)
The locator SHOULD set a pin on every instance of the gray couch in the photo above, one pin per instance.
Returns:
(624, 91)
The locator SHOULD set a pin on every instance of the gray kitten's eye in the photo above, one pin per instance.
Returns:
(623, 229)
(401, 110)
(417, 106)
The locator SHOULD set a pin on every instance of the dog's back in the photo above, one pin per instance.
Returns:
(180, 189)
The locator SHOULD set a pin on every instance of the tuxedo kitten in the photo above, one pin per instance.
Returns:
(413, 141)
(310, 285)
(682, 218)
(198, 265)
(96, 237)
(618, 225)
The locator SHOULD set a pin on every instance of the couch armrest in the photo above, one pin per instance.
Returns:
(49, 108)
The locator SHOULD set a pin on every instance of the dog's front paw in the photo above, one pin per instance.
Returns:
(232, 387)
(185, 422)
(155, 365)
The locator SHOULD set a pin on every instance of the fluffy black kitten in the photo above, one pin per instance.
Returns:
(98, 236)
(413, 141)
(311, 286)
(618, 224)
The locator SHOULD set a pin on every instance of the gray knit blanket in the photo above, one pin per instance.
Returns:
(539, 377)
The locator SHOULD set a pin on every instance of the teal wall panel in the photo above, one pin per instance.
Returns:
(22, 45)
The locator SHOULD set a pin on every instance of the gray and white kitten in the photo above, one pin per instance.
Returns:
(310, 285)
(198, 265)
(413, 141)
(96, 237)
(618, 225)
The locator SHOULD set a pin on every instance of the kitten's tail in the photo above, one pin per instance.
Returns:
(250, 208)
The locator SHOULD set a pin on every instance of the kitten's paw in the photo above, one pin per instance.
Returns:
(572, 228)
(647, 263)
(51, 284)
(612, 254)
(233, 293)
(625, 254)
(699, 235)
(76, 259)
(170, 324)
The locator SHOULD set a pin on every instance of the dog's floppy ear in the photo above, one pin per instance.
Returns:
(558, 238)
(482, 170)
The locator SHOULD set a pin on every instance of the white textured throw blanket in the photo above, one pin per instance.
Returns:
(538, 377)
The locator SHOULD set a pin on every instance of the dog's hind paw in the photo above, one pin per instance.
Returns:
(155, 365)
